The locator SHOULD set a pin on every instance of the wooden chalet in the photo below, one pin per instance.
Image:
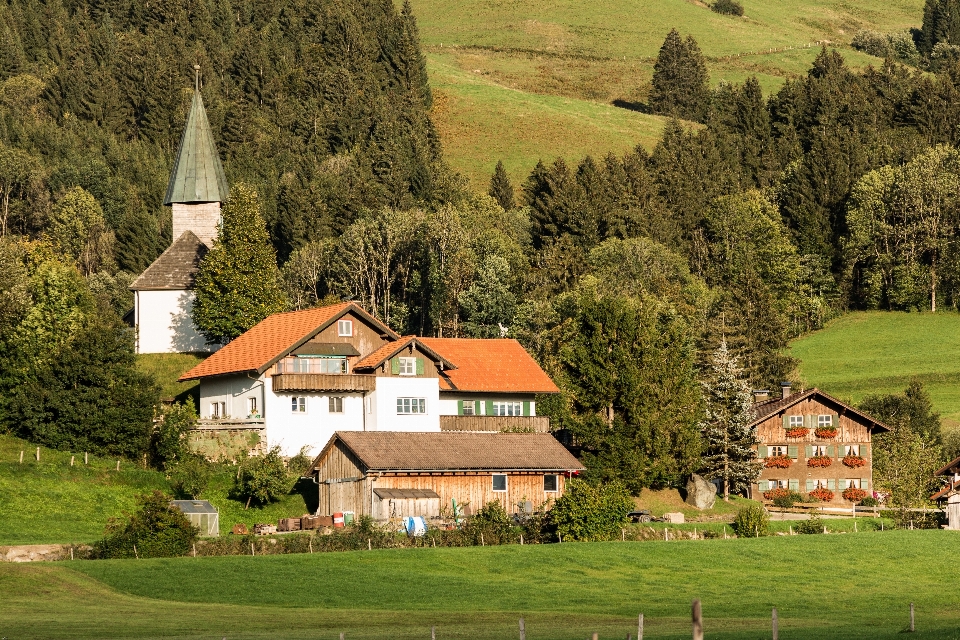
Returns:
(811, 441)
(950, 493)
(397, 474)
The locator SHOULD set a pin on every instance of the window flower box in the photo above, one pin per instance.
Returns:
(821, 494)
(777, 462)
(826, 433)
(773, 494)
(798, 432)
(853, 494)
(819, 461)
(854, 461)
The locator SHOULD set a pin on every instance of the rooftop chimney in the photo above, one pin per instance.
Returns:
(785, 387)
(761, 395)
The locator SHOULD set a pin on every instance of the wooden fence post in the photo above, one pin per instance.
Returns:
(523, 630)
(21, 457)
(118, 465)
(137, 555)
(38, 460)
(433, 633)
(776, 625)
(86, 458)
(341, 635)
(369, 544)
(697, 620)
(640, 627)
(596, 636)
(253, 553)
(911, 618)
(71, 461)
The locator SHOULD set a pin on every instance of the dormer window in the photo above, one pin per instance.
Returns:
(408, 366)
(345, 328)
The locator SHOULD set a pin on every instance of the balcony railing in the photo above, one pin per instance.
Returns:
(228, 424)
(538, 424)
(322, 382)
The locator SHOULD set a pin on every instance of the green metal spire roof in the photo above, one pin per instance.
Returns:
(197, 174)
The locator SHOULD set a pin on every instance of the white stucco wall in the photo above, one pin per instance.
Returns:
(292, 431)
(384, 399)
(164, 324)
(448, 401)
(234, 391)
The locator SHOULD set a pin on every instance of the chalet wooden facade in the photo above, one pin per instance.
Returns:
(394, 474)
(949, 495)
(812, 442)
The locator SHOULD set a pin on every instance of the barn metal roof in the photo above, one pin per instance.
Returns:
(194, 506)
(197, 174)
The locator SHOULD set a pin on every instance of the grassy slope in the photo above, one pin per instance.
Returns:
(596, 53)
(832, 587)
(166, 368)
(877, 352)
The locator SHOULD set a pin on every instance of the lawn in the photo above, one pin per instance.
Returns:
(166, 368)
(836, 586)
(881, 352)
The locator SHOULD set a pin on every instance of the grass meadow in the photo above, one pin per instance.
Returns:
(881, 352)
(833, 586)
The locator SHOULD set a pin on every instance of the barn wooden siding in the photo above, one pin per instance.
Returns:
(850, 431)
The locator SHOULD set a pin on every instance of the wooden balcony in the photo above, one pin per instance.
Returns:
(230, 424)
(322, 382)
(533, 424)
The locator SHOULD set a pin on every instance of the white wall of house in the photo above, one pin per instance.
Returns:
(232, 395)
(384, 415)
(312, 428)
(449, 401)
(164, 324)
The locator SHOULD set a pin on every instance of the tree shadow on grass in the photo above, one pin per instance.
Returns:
(639, 107)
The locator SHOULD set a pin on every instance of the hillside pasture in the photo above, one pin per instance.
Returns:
(834, 586)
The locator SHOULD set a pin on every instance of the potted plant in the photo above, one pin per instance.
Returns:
(853, 494)
(821, 494)
(798, 432)
(777, 462)
(819, 461)
(773, 494)
(854, 461)
(826, 433)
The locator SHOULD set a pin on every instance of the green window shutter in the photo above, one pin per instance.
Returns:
(395, 366)
(830, 450)
(793, 451)
(794, 484)
(831, 484)
(459, 407)
(865, 484)
(809, 485)
(865, 451)
(489, 407)
(526, 408)
(786, 421)
(836, 421)
(762, 451)
(419, 366)
(808, 451)
(809, 421)
(763, 485)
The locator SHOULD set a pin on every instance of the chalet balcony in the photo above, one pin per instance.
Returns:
(322, 382)
(229, 424)
(536, 424)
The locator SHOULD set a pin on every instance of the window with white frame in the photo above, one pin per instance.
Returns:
(499, 482)
(851, 450)
(331, 365)
(778, 450)
(336, 404)
(218, 410)
(550, 483)
(411, 406)
(851, 483)
(825, 422)
(507, 408)
(820, 483)
(298, 404)
(796, 422)
(345, 328)
(469, 407)
(252, 406)
(819, 449)
(778, 484)
(408, 366)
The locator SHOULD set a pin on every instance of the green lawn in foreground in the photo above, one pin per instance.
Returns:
(881, 352)
(837, 586)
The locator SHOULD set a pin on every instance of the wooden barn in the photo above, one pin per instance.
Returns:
(812, 442)
(387, 474)
(949, 495)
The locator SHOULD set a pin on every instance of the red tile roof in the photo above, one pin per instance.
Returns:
(392, 348)
(271, 339)
(500, 365)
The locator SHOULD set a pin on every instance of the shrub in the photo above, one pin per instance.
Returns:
(821, 494)
(819, 461)
(190, 477)
(751, 522)
(811, 526)
(854, 461)
(853, 494)
(591, 512)
(869, 501)
(168, 442)
(727, 7)
(872, 43)
(778, 462)
(262, 478)
(787, 501)
(298, 464)
(156, 530)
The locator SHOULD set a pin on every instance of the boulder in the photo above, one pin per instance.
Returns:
(700, 493)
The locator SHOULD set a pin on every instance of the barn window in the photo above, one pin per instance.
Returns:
(499, 482)
(336, 404)
(796, 422)
(298, 404)
(411, 406)
(550, 483)
(851, 450)
(345, 328)
(778, 450)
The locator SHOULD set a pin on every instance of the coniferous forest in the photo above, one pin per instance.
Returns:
(754, 219)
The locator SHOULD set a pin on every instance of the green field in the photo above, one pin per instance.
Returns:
(520, 81)
(839, 586)
(880, 352)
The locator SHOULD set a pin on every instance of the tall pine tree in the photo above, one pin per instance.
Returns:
(500, 188)
(680, 79)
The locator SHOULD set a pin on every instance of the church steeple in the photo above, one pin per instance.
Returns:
(197, 183)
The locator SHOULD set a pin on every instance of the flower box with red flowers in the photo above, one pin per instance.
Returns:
(799, 432)
(778, 462)
(853, 494)
(824, 495)
(825, 433)
(854, 461)
(819, 461)
(773, 494)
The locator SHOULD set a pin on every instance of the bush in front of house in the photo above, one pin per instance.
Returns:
(155, 530)
(727, 7)
(787, 499)
(492, 522)
(591, 512)
(751, 522)
(869, 501)
(811, 526)
(262, 479)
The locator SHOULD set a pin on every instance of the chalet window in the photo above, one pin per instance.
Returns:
(408, 366)
(411, 406)
(336, 404)
(819, 450)
(301, 365)
(550, 483)
(825, 422)
(298, 404)
(777, 484)
(331, 365)
(778, 450)
(218, 410)
(252, 405)
(499, 482)
(469, 407)
(796, 422)
(345, 328)
(851, 483)
(507, 409)
(851, 450)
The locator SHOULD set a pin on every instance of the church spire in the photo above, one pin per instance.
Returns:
(197, 174)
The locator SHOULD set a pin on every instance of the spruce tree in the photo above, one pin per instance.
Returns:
(680, 79)
(238, 283)
(730, 456)
(500, 188)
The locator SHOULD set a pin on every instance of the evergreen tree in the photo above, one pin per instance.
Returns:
(680, 79)
(730, 455)
(500, 188)
(238, 283)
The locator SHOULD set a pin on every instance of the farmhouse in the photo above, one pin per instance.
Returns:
(810, 441)
(395, 474)
(950, 493)
(296, 378)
